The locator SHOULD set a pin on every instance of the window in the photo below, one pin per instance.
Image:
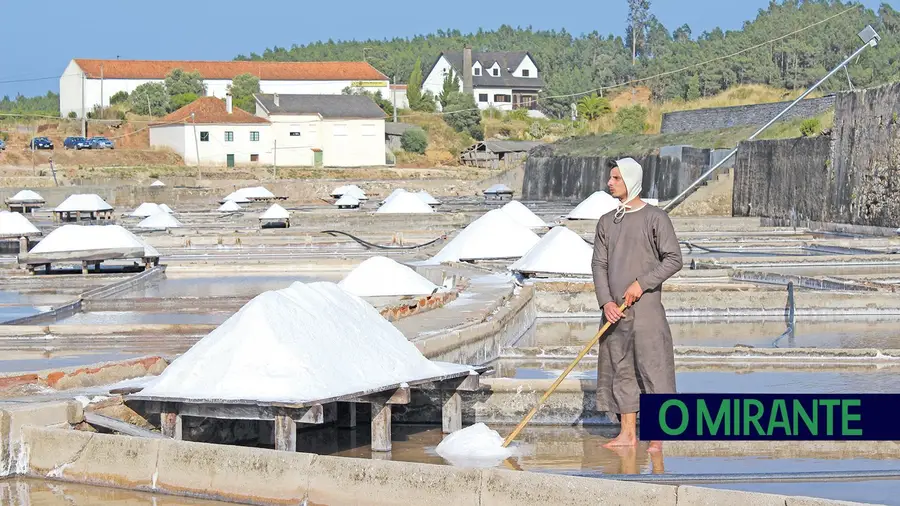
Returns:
(254, 157)
(339, 129)
(229, 136)
(525, 72)
(204, 136)
(501, 98)
(476, 71)
(368, 130)
(254, 136)
(482, 97)
(496, 72)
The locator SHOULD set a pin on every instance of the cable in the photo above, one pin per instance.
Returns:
(378, 246)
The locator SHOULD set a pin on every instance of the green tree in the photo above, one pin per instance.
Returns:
(693, 88)
(242, 88)
(179, 101)
(149, 99)
(463, 115)
(414, 86)
(179, 82)
(631, 120)
(451, 85)
(592, 107)
(635, 34)
(414, 140)
(118, 97)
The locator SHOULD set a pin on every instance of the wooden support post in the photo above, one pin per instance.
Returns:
(266, 433)
(84, 267)
(346, 415)
(381, 427)
(170, 424)
(23, 245)
(47, 268)
(285, 433)
(451, 411)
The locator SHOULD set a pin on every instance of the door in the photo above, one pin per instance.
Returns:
(318, 157)
(230, 159)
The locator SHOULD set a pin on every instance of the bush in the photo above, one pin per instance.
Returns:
(810, 127)
(414, 141)
(73, 115)
(631, 120)
(520, 114)
(468, 117)
(119, 96)
(179, 101)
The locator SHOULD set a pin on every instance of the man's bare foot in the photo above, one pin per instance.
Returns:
(655, 447)
(656, 462)
(622, 440)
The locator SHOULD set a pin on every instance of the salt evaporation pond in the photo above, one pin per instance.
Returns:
(147, 317)
(57, 493)
(248, 285)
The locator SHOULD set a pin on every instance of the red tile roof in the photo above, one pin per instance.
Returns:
(209, 110)
(265, 70)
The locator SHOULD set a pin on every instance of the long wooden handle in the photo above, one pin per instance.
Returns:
(512, 435)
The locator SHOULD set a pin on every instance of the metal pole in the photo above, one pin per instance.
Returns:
(83, 123)
(101, 91)
(275, 159)
(394, 96)
(678, 199)
(196, 148)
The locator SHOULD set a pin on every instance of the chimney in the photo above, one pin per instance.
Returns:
(467, 69)
(275, 99)
(228, 105)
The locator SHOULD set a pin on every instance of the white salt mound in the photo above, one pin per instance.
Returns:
(383, 277)
(404, 203)
(302, 343)
(16, 225)
(83, 202)
(522, 214)
(560, 251)
(26, 196)
(166, 209)
(347, 200)
(593, 207)
(427, 198)
(229, 207)
(393, 194)
(157, 184)
(498, 188)
(476, 445)
(248, 194)
(492, 236)
(147, 209)
(159, 221)
(87, 238)
(275, 212)
(349, 190)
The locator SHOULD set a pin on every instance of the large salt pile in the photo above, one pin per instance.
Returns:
(302, 343)
(522, 214)
(166, 209)
(275, 212)
(349, 190)
(493, 236)
(382, 277)
(560, 251)
(347, 200)
(427, 198)
(474, 446)
(68, 238)
(229, 206)
(25, 197)
(88, 202)
(393, 194)
(147, 209)
(249, 194)
(404, 203)
(593, 207)
(16, 225)
(159, 221)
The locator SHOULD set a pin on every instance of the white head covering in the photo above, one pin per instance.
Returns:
(633, 175)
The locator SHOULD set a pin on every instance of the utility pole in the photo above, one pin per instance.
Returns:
(275, 160)
(196, 146)
(83, 120)
(394, 94)
(101, 91)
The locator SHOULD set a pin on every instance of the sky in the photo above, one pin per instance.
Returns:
(43, 42)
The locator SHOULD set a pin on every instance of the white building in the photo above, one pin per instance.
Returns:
(286, 131)
(327, 130)
(504, 80)
(86, 83)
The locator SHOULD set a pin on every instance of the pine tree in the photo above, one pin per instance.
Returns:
(414, 86)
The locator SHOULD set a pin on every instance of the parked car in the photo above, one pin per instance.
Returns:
(2, 145)
(76, 143)
(101, 143)
(41, 143)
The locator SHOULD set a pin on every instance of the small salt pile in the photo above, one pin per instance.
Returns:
(275, 212)
(347, 200)
(229, 207)
(351, 191)
(498, 188)
(393, 194)
(247, 194)
(382, 277)
(593, 207)
(522, 214)
(16, 225)
(159, 221)
(85, 202)
(427, 198)
(560, 251)
(404, 203)
(25, 196)
(493, 236)
(146, 209)
(157, 184)
(474, 446)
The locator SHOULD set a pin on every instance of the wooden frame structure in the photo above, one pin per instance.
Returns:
(65, 216)
(341, 410)
(23, 207)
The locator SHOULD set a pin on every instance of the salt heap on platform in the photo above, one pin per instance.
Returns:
(85, 238)
(347, 200)
(427, 198)
(404, 202)
(498, 189)
(593, 207)
(249, 194)
(25, 197)
(147, 209)
(159, 221)
(560, 251)
(302, 343)
(229, 206)
(349, 190)
(275, 212)
(382, 277)
(157, 184)
(166, 209)
(517, 211)
(493, 236)
(15, 225)
(88, 202)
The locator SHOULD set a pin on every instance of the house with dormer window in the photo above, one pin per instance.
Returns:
(505, 80)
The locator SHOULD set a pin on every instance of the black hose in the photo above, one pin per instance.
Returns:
(370, 245)
(691, 246)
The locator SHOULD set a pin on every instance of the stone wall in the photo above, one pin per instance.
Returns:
(716, 118)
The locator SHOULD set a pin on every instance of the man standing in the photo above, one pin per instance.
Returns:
(635, 251)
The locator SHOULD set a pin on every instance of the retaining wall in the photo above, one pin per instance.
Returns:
(716, 118)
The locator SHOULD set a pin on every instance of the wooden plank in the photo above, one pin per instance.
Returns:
(468, 383)
(119, 426)
(285, 433)
(398, 396)
(312, 414)
(381, 427)
(451, 411)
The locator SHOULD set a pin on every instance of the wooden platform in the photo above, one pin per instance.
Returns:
(341, 409)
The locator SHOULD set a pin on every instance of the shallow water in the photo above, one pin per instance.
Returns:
(30, 492)
(147, 317)
(218, 286)
(29, 362)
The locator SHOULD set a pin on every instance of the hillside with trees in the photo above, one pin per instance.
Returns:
(581, 64)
